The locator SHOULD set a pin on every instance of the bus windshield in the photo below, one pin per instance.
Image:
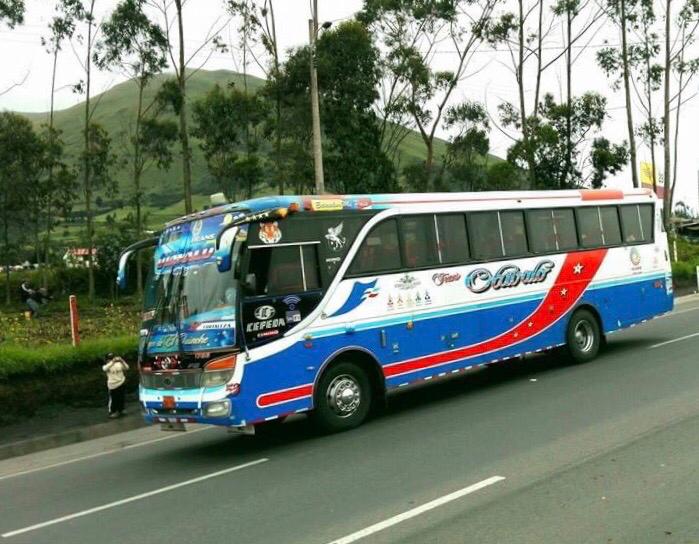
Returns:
(185, 292)
(190, 305)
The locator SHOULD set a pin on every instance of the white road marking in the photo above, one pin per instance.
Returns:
(673, 340)
(678, 312)
(417, 511)
(132, 499)
(101, 453)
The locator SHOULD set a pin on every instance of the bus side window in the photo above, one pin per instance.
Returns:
(283, 270)
(564, 224)
(419, 241)
(453, 241)
(631, 224)
(486, 240)
(589, 227)
(542, 233)
(645, 211)
(379, 251)
(611, 232)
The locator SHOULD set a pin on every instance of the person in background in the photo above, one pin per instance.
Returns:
(30, 297)
(116, 368)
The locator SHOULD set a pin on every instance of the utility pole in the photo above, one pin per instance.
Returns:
(315, 108)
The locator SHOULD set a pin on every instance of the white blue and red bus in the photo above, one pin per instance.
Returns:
(325, 304)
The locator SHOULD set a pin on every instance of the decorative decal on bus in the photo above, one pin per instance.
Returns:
(270, 233)
(481, 280)
(360, 292)
(440, 278)
(335, 239)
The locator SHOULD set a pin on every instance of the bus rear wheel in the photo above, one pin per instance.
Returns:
(583, 337)
(342, 398)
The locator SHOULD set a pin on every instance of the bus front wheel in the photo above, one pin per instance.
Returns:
(342, 398)
(583, 337)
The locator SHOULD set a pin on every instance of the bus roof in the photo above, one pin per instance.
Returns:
(320, 203)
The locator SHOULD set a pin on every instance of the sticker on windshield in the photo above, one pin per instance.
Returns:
(335, 239)
(270, 233)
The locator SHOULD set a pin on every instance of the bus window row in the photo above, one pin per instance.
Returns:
(431, 240)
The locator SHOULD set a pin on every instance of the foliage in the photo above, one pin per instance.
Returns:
(547, 143)
(12, 12)
(20, 159)
(466, 151)
(225, 121)
(347, 78)
(409, 32)
(52, 328)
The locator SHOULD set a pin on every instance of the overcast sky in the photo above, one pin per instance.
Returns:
(21, 55)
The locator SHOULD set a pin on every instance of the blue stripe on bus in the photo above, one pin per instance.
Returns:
(467, 308)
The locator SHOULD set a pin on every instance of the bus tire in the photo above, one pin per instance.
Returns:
(583, 338)
(342, 398)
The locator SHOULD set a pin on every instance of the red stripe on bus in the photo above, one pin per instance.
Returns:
(576, 273)
(285, 395)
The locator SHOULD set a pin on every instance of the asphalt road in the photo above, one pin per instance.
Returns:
(532, 451)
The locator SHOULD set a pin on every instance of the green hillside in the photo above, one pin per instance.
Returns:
(115, 111)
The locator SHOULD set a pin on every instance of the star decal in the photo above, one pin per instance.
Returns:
(578, 268)
(515, 335)
(564, 292)
(530, 324)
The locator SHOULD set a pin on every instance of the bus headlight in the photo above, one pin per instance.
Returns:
(219, 371)
(220, 408)
(213, 379)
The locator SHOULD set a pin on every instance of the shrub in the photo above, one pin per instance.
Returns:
(58, 374)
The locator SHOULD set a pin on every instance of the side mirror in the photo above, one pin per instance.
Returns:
(126, 254)
(224, 249)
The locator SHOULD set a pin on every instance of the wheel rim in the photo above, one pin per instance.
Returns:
(584, 336)
(344, 395)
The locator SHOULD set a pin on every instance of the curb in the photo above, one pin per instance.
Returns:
(73, 436)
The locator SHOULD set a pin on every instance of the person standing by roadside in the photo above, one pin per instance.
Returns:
(116, 369)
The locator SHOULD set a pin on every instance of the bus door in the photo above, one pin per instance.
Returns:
(281, 287)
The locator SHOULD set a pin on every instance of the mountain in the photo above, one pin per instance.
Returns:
(115, 111)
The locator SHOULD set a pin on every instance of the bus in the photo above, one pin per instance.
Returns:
(274, 306)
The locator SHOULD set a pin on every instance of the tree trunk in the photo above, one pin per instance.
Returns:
(49, 219)
(6, 241)
(522, 108)
(569, 102)
(627, 93)
(87, 166)
(137, 171)
(667, 141)
(184, 134)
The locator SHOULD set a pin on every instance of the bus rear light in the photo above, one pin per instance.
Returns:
(224, 363)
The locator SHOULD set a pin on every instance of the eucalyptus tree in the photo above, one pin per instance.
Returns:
(176, 92)
(258, 28)
(616, 62)
(12, 12)
(644, 60)
(680, 33)
(137, 47)
(59, 190)
(410, 32)
(20, 159)
(86, 22)
(223, 121)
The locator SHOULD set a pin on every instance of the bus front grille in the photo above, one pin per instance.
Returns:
(171, 380)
